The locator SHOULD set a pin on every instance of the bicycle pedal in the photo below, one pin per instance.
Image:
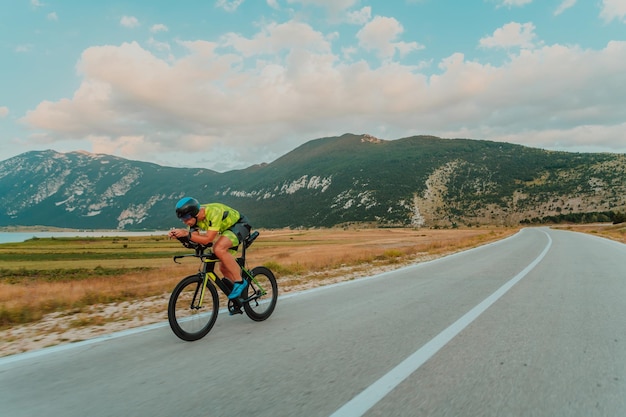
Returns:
(234, 307)
(233, 311)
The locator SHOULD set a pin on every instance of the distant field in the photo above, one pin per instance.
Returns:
(612, 231)
(45, 275)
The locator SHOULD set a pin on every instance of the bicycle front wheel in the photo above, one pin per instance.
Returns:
(191, 318)
(263, 290)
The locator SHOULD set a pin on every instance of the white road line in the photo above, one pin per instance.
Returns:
(60, 348)
(364, 401)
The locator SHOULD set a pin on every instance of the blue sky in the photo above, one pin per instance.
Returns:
(227, 84)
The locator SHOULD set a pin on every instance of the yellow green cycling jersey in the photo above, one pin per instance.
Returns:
(218, 217)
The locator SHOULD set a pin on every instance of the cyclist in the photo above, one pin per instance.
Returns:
(216, 219)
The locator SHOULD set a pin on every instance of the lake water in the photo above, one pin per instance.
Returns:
(11, 237)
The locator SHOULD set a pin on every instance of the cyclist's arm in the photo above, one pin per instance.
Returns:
(204, 239)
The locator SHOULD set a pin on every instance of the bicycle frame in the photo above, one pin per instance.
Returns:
(208, 271)
(209, 275)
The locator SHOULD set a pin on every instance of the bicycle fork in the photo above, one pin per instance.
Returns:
(202, 288)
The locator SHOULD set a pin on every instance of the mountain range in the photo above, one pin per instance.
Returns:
(419, 181)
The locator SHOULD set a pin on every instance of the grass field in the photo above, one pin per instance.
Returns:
(41, 276)
(615, 232)
(87, 282)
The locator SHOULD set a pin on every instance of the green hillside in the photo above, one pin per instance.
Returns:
(419, 181)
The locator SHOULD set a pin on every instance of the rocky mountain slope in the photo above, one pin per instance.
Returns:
(420, 181)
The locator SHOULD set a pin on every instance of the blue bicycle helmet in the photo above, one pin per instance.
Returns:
(187, 207)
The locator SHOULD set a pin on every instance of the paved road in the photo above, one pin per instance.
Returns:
(531, 326)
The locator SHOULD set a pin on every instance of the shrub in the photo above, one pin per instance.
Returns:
(619, 218)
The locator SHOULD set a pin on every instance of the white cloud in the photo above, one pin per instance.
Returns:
(159, 46)
(581, 138)
(129, 21)
(333, 6)
(274, 38)
(36, 3)
(159, 27)
(4, 111)
(24, 48)
(513, 3)
(613, 9)
(211, 101)
(273, 4)
(228, 5)
(349, 52)
(379, 35)
(565, 4)
(52, 16)
(122, 145)
(360, 17)
(511, 35)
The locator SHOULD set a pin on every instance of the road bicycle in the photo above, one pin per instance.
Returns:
(194, 303)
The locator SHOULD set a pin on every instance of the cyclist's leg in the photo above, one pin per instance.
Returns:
(221, 248)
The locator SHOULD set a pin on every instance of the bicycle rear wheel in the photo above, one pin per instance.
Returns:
(188, 319)
(264, 289)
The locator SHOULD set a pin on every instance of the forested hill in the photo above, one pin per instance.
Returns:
(419, 181)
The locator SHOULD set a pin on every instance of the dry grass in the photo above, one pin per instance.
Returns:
(293, 255)
(611, 231)
(30, 301)
(65, 311)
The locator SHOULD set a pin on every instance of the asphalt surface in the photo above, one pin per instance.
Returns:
(533, 325)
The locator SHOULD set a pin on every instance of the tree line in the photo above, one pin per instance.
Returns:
(580, 218)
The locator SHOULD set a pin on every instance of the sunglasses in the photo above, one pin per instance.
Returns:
(186, 217)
